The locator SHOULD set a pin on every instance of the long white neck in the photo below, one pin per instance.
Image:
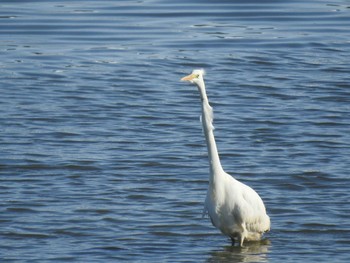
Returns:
(208, 128)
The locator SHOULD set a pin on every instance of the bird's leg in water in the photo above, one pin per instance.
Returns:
(240, 240)
(233, 241)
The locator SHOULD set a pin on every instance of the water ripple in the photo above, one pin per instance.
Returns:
(102, 154)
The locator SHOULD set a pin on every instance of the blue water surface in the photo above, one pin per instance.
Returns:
(102, 154)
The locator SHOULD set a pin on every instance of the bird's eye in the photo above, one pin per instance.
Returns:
(197, 76)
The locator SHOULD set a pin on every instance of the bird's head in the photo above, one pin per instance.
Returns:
(195, 77)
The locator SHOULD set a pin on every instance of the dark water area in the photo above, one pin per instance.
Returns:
(102, 154)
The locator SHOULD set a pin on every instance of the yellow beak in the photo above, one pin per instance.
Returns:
(189, 77)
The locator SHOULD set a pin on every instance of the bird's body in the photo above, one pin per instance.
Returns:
(236, 209)
(233, 207)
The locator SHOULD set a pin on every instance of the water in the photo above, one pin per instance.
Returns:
(102, 154)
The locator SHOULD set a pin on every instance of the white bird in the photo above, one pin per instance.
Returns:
(233, 207)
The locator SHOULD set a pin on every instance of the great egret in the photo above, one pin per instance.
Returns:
(233, 207)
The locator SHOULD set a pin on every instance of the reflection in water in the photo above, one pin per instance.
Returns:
(251, 252)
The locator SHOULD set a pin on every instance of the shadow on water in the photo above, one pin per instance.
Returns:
(251, 252)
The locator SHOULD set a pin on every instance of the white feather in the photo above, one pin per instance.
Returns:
(233, 207)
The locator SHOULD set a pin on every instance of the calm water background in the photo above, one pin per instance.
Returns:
(102, 154)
